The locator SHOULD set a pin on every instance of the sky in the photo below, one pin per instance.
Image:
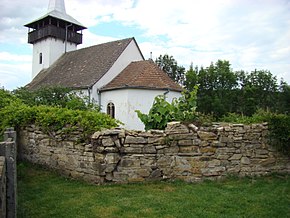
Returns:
(250, 34)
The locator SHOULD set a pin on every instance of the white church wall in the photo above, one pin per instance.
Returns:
(51, 50)
(126, 101)
(131, 53)
(120, 100)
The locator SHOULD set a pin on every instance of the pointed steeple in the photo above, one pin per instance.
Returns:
(57, 5)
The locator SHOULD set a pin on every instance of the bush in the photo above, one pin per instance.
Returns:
(51, 117)
(55, 96)
(162, 112)
(6, 98)
(279, 126)
(159, 115)
(259, 117)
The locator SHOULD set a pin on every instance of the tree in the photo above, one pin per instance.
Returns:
(284, 98)
(169, 65)
(258, 90)
(222, 91)
(54, 96)
(217, 84)
(191, 77)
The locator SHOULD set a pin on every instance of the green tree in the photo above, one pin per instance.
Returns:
(222, 91)
(258, 90)
(217, 85)
(169, 65)
(54, 96)
(284, 98)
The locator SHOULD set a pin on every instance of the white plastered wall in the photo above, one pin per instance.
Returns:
(51, 49)
(126, 101)
(130, 54)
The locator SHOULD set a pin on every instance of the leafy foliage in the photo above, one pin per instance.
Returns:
(55, 96)
(51, 113)
(216, 86)
(159, 115)
(280, 132)
(51, 118)
(169, 65)
(6, 98)
(162, 112)
(259, 117)
(222, 91)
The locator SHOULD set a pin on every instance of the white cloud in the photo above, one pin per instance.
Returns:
(90, 39)
(91, 12)
(250, 34)
(15, 70)
(6, 56)
(14, 75)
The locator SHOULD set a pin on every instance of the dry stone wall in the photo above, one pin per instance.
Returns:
(180, 152)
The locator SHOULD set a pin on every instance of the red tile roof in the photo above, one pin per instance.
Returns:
(142, 75)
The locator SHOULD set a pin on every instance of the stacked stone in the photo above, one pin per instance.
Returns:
(179, 152)
(64, 154)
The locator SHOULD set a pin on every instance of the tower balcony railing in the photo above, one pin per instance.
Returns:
(54, 31)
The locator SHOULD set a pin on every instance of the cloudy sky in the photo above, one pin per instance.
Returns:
(248, 33)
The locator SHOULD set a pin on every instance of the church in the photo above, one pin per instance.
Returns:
(115, 74)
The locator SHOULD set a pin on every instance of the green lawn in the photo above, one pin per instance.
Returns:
(42, 193)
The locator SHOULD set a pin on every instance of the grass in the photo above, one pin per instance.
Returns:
(42, 193)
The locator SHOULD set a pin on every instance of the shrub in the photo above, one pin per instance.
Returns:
(279, 126)
(51, 118)
(159, 115)
(162, 112)
(6, 98)
(258, 117)
(55, 96)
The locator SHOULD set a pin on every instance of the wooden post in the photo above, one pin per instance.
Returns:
(8, 148)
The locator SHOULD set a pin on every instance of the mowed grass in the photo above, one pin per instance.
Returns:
(42, 193)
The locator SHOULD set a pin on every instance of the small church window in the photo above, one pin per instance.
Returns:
(40, 58)
(111, 109)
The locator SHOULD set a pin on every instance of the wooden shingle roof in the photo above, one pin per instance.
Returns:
(81, 68)
(142, 75)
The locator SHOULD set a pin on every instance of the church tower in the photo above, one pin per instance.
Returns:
(52, 35)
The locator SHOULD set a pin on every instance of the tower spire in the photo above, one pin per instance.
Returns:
(57, 5)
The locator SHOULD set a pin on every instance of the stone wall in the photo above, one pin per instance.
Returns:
(180, 152)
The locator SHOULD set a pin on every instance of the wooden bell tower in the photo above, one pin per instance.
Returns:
(52, 35)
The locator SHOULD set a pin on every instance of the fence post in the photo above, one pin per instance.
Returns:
(10, 135)
(9, 149)
(3, 207)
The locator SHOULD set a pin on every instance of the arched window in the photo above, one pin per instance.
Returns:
(40, 58)
(111, 109)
